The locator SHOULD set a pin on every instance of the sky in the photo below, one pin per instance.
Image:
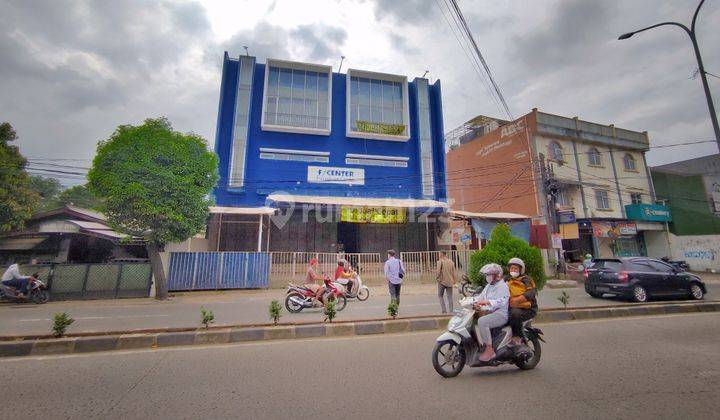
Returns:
(73, 70)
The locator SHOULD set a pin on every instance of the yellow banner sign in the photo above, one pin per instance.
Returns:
(373, 215)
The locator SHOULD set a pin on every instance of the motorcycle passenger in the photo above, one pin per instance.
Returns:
(13, 278)
(340, 269)
(310, 279)
(523, 299)
(347, 277)
(492, 305)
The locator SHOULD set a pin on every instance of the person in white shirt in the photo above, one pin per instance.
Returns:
(13, 278)
(492, 304)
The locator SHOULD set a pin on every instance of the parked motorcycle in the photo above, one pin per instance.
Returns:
(298, 298)
(458, 346)
(466, 287)
(37, 292)
(678, 264)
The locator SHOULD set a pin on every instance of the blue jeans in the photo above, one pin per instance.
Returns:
(21, 284)
(394, 292)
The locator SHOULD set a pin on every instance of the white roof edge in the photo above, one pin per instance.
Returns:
(294, 151)
(377, 75)
(497, 215)
(242, 210)
(356, 201)
(298, 64)
(377, 157)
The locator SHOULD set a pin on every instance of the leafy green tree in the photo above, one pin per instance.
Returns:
(48, 190)
(17, 200)
(80, 196)
(155, 183)
(503, 246)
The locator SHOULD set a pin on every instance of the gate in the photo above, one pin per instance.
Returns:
(218, 270)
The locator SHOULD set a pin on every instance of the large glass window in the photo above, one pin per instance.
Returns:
(555, 151)
(377, 106)
(629, 162)
(297, 98)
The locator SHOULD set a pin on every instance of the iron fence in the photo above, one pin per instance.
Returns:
(218, 270)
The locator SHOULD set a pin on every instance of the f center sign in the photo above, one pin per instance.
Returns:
(331, 175)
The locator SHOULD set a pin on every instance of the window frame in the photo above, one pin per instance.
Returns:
(307, 156)
(627, 157)
(567, 198)
(296, 65)
(634, 195)
(551, 151)
(593, 152)
(606, 199)
(383, 77)
(376, 160)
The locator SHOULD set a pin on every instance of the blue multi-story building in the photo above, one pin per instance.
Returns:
(359, 152)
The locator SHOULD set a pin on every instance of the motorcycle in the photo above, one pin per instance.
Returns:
(298, 298)
(37, 292)
(358, 290)
(459, 346)
(466, 287)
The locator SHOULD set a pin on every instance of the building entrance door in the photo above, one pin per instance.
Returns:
(348, 236)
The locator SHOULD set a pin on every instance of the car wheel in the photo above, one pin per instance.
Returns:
(640, 294)
(696, 292)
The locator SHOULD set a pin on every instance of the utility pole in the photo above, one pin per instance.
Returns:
(550, 188)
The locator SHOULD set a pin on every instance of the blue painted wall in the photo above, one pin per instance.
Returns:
(263, 176)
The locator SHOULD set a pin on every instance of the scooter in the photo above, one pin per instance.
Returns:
(459, 346)
(358, 290)
(298, 298)
(37, 292)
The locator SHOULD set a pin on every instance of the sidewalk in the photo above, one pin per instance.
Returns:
(241, 307)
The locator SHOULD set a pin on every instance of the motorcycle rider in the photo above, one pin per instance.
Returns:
(13, 278)
(310, 279)
(492, 305)
(523, 299)
(347, 276)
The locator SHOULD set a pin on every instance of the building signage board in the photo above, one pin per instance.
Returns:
(566, 216)
(648, 212)
(557, 241)
(332, 175)
(613, 229)
(385, 215)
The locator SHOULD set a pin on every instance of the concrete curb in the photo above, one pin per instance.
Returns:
(32, 346)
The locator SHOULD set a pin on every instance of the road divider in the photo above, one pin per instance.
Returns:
(222, 334)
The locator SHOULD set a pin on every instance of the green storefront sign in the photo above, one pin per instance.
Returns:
(648, 212)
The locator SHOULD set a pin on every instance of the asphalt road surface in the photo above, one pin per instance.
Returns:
(237, 307)
(648, 367)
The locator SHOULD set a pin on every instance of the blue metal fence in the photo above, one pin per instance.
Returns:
(218, 270)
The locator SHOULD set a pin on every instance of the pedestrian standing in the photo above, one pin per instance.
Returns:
(394, 273)
(446, 280)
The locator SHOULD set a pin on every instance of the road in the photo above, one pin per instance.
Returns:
(236, 307)
(649, 367)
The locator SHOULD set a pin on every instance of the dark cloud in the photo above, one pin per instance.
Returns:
(406, 12)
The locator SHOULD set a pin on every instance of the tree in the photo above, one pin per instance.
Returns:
(48, 190)
(155, 183)
(17, 200)
(503, 246)
(80, 196)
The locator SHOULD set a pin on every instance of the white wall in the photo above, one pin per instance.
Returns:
(702, 252)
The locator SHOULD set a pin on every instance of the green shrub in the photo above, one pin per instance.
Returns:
(564, 298)
(393, 308)
(207, 317)
(501, 247)
(61, 321)
(330, 310)
(275, 311)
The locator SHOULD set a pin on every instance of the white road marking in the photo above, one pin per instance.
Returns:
(97, 317)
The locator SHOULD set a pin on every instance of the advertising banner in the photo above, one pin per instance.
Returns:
(386, 215)
(613, 229)
(648, 212)
(569, 231)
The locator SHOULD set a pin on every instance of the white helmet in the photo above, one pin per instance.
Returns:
(517, 261)
(491, 270)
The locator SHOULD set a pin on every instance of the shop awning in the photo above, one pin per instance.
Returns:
(243, 210)
(19, 244)
(497, 216)
(356, 201)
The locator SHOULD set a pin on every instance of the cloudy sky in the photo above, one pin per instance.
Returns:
(71, 71)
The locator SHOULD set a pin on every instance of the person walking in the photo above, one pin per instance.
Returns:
(394, 273)
(446, 279)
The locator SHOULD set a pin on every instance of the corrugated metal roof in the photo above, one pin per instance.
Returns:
(473, 215)
(243, 210)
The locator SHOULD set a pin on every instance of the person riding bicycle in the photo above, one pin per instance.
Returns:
(492, 305)
(13, 278)
(523, 299)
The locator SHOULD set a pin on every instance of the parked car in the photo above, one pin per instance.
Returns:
(640, 278)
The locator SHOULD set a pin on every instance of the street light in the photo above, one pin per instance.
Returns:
(701, 68)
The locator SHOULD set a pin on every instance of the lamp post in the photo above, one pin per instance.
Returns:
(701, 68)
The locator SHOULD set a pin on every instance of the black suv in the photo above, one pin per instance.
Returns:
(640, 278)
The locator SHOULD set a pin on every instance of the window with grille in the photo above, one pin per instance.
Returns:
(563, 198)
(629, 162)
(555, 151)
(594, 157)
(636, 198)
(297, 96)
(602, 201)
(294, 155)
